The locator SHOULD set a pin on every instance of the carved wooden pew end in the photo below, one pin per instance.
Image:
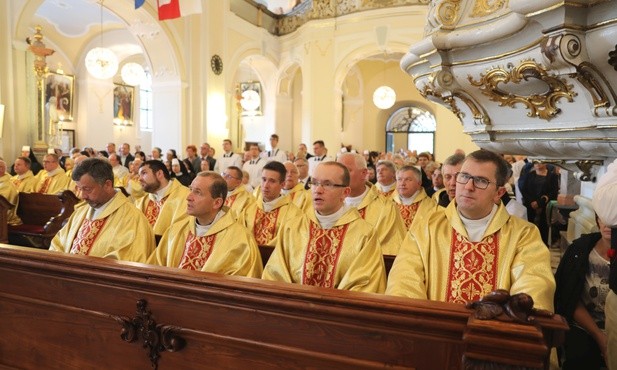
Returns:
(42, 216)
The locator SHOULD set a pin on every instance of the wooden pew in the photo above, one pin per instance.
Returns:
(5, 205)
(266, 251)
(75, 312)
(42, 216)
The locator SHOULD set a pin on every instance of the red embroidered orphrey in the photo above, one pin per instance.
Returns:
(197, 250)
(472, 271)
(387, 193)
(322, 254)
(45, 185)
(229, 201)
(408, 212)
(362, 212)
(153, 208)
(264, 228)
(87, 234)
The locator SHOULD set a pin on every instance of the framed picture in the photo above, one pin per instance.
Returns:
(124, 96)
(250, 98)
(67, 140)
(58, 99)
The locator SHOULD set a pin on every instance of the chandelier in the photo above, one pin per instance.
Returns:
(133, 74)
(384, 97)
(101, 62)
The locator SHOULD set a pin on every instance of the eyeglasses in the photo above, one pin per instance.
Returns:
(228, 176)
(326, 185)
(478, 182)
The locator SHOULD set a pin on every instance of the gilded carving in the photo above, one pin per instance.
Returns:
(482, 8)
(541, 105)
(448, 12)
(480, 117)
(598, 87)
(325, 9)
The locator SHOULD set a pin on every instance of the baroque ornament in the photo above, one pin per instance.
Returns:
(448, 12)
(482, 8)
(542, 105)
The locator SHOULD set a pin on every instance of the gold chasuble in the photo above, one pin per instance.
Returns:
(53, 184)
(10, 193)
(300, 197)
(384, 217)
(238, 200)
(25, 183)
(439, 262)
(227, 248)
(120, 232)
(345, 256)
(163, 213)
(266, 226)
(421, 207)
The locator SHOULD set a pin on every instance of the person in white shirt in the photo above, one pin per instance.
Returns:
(229, 158)
(254, 165)
(274, 154)
(321, 155)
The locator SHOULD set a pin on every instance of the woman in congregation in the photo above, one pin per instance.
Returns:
(582, 287)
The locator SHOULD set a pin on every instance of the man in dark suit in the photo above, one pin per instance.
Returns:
(204, 150)
(125, 154)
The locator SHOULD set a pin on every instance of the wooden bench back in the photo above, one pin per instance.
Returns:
(229, 322)
(39, 209)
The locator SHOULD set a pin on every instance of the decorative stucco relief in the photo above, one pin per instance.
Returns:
(543, 105)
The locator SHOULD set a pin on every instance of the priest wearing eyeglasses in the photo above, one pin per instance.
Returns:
(333, 247)
(473, 246)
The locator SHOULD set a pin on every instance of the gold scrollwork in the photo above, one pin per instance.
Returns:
(448, 12)
(479, 115)
(483, 8)
(542, 105)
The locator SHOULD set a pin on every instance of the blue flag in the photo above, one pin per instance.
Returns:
(139, 3)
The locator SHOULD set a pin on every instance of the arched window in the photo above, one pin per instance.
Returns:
(411, 128)
(145, 104)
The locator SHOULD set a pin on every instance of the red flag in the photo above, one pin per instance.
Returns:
(171, 9)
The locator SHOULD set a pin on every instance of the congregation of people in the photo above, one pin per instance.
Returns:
(459, 229)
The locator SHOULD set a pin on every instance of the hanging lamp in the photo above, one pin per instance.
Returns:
(384, 96)
(101, 62)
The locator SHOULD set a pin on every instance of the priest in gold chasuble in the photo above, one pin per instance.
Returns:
(333, 247)
(210, 239)
(54, 179)
(10, 193)
(238, 197)
(294, 188)
(24, 180)
(107, 224)
(266, 216)
(410, 197)
(472, 247)
(377, 210)
(166, 199)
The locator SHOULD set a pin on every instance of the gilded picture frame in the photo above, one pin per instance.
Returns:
(123, 104)
(59, 97)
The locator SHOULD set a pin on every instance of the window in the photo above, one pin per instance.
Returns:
(411, 128)
(145, 104)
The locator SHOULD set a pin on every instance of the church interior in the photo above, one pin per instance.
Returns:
(528, 78)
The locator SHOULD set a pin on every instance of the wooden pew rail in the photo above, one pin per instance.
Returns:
(71, 310)
(43, 215)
